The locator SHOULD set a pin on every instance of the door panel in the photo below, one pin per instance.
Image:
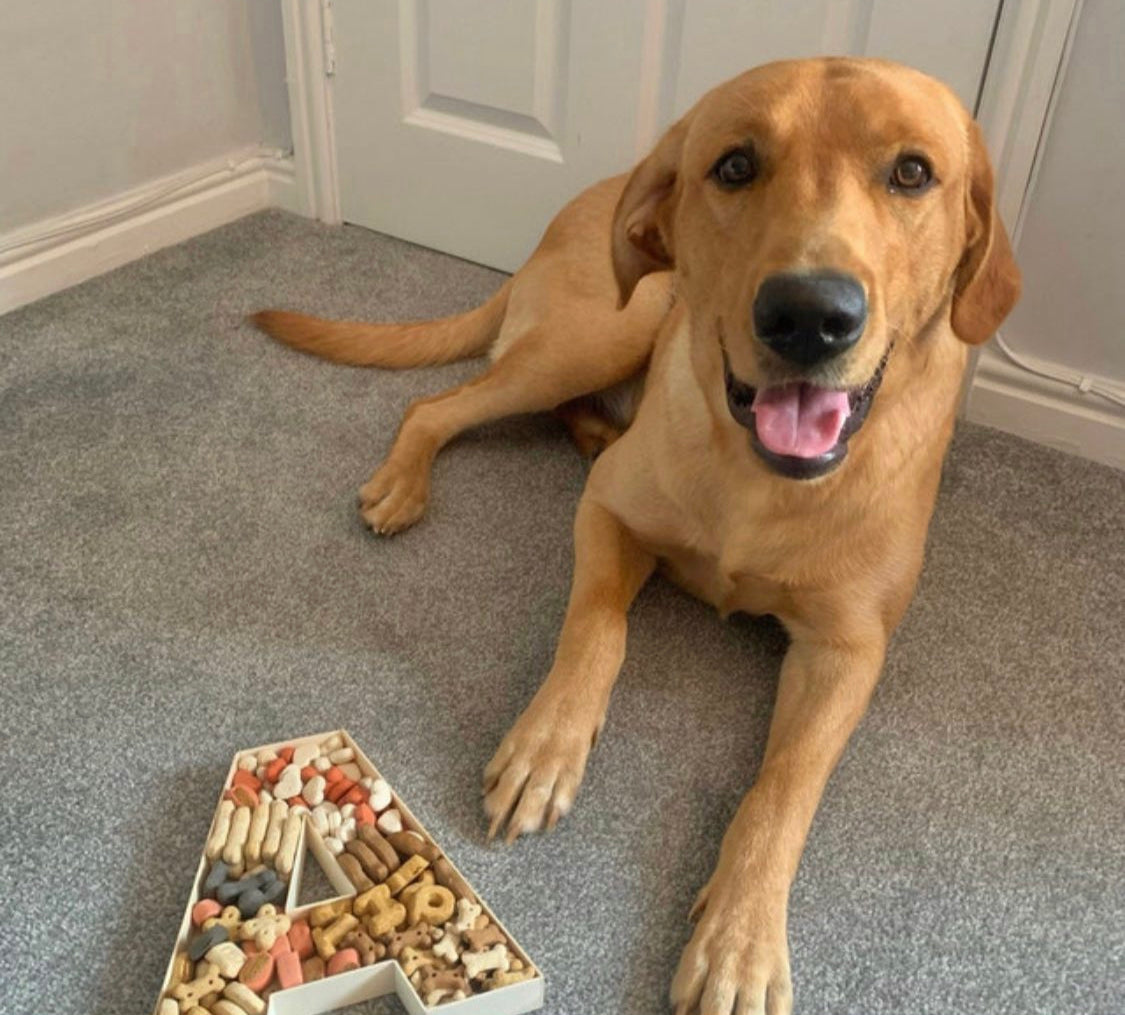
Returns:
(465, 126)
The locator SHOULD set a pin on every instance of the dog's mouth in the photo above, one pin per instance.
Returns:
(801, 430)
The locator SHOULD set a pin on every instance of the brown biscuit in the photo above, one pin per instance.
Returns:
(479, 940)
(449, 878)
(373, 867)
(408, 844)
(373, 838)
(355, 872)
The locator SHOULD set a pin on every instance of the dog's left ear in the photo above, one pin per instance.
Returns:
(642, 224)
(987, 283)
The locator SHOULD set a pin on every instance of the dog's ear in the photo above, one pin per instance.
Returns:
(987, 283)
(642, 224)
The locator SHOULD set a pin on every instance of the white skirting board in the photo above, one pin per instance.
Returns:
(1045, 411)
(53, 254)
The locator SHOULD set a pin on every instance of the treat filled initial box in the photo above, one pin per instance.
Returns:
(404, 921)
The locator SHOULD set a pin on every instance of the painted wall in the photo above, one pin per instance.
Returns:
(1072, 249)
(100, 96)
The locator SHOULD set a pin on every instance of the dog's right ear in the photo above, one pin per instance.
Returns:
(642, 224)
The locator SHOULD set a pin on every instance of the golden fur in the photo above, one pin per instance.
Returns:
(834, 558)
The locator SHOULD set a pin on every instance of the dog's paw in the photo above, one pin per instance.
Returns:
(737, 961)
(533, 778)
(394, 498)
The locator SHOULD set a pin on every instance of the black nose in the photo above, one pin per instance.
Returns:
(810, 317)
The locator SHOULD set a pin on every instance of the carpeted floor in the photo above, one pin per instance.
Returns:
(185, 574)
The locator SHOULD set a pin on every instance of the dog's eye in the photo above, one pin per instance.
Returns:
(736, 168)
(911, 172)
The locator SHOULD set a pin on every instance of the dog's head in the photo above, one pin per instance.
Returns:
(816, 212)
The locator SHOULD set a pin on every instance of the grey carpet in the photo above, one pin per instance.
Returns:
(184, 574)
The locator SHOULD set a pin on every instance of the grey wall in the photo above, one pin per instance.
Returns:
(99, 96)
(1072, 248)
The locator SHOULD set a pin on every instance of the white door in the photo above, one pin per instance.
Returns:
(465, 125)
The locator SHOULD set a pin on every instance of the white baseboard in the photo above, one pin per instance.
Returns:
(56, 253)
(1047, 412)
(283, 186)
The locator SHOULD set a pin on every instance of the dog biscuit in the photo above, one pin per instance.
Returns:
(288, 782)
(190, 994)
(410, 869)
(252, 851)
(279, 810)
(371, 837)
(210, 937)
(467, 913)
(305, 754)
(266, 927)
(447, 949)
(478, 963)
(412, 960)
(300, 939)
(245, 998)
(369, 951)
(421, 935)
(218, 838)
(287, 849)
(236, 839)
(343, 961)
(257, 972)
(449, 878)
(228, 958)
(389, 821)
(382, 914)
(314, 790)
(409, 844)
(289, 972)
(326, 939)
(373, 867)
(481, 940)
(430, 904)
(355, 873)
(379, 795)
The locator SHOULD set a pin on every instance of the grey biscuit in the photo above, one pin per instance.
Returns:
(185, 575)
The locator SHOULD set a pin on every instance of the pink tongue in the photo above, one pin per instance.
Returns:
(799, 419)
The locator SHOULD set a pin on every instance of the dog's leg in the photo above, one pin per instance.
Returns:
(738, 956)
(532, 780)
(541, 370)
(591, 432)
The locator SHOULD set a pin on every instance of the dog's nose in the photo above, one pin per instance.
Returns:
(811, 316)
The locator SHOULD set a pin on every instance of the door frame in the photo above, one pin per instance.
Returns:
(310, 69)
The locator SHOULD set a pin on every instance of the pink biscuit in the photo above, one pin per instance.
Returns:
(345, 960)
(280, 946)
(204, 909)
(289, 970)
(300, 939)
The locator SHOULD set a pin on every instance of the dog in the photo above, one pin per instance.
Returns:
(762, 330)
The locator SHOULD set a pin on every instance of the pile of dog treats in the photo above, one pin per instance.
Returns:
(411, 905)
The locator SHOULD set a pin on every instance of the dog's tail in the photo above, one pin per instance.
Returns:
(417, 344)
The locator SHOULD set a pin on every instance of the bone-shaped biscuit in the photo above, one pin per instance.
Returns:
(478, 963)
(265, 928)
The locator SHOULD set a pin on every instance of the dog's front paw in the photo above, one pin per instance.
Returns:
(533, 778)
(395, 497)
(737, 961)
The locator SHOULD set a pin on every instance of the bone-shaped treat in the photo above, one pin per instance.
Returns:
(478, 963)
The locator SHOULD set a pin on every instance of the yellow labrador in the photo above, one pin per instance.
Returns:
(765, 327)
